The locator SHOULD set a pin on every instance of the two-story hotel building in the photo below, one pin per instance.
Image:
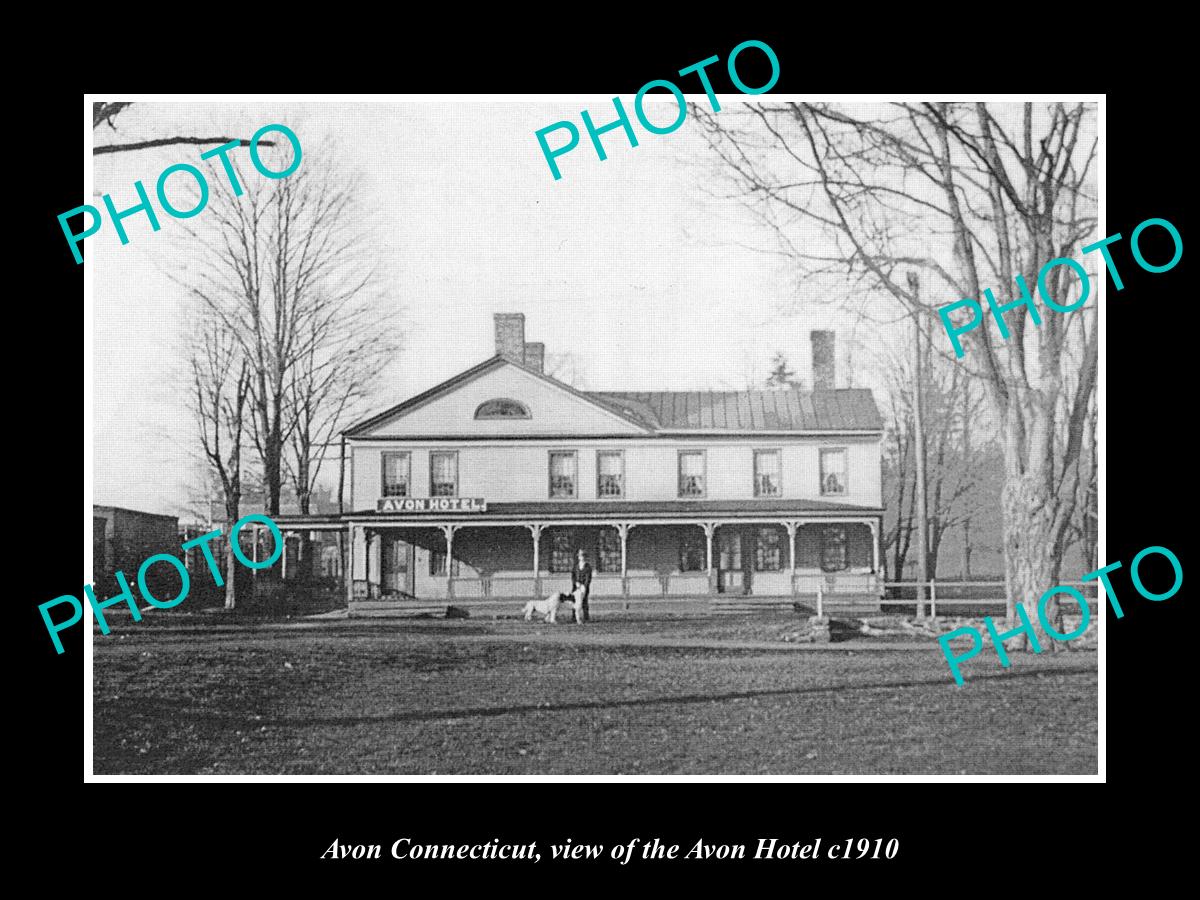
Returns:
(486, 485)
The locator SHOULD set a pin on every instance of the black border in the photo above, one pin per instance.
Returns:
(966, 833)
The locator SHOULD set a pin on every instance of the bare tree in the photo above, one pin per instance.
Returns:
(958, 486)
(898, 495)
(973, 196)
(283, 268)
(202, 490)
(1083, 530)
(344, 344)
(782, 375)
(220, 391)
(104, 113)
(565, 367)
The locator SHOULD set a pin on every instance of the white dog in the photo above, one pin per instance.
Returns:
(551, 605)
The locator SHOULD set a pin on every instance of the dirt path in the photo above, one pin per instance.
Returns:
(561, 635)
(582, 636)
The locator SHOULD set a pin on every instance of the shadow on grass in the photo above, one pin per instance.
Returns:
(842, 630)
(167, 709)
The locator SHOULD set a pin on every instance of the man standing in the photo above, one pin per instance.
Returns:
(581, 578)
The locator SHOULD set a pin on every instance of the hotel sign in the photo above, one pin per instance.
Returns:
(432, 504)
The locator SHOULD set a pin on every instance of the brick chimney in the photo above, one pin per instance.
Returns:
(535, 356)
(823, 357)
(510, 336)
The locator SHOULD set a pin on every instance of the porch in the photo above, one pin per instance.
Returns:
(731, 563)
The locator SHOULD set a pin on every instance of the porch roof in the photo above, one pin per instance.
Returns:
(625, 510)
(659, 508)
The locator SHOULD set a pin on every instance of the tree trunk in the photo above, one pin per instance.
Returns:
(272, 472)
(920, 487)
(904, 537)
(900, 554)
(304, 560)
(230, 563)
(935, 546)
(1091, 540)
(965, 395)
(1031, 561)
(966, 553)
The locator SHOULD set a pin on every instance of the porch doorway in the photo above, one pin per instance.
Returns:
(397, 566)
(735, 571)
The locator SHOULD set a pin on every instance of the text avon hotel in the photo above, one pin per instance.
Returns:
(486, 485)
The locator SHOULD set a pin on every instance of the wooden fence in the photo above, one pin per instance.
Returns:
(949, 594)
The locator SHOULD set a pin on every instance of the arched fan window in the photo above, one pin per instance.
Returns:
(502, 409)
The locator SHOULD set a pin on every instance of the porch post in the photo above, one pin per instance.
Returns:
(709, 529)
(255, 532)
(448, 531)
(535, 529)
(623, 533)
(283, 558)
(874, 526)
(368, 539)
(791, 530)
(348, 564)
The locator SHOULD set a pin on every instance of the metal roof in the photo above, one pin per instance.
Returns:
(842, 409)
(845, 409)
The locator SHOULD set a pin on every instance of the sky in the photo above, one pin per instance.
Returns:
(631, 265)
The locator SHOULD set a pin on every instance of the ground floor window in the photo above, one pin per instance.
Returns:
(561, 557)
(768, 554)
(437, 564)
(331, 562)
(833, 548)
(729, 551)
(608, 551)
(691, 551)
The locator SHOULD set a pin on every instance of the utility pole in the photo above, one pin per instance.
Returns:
(966, 449)
(914, 284)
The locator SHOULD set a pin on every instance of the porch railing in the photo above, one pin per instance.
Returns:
(678, 585)
(974, 597)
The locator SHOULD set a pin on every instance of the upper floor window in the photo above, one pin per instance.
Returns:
(833, 471)
(443, 473)
(502, 409)
(691, 473)
(610, 474)
(397, 470)
(766, 473)
(563, 471)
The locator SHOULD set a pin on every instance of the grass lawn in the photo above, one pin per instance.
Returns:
(444, 697)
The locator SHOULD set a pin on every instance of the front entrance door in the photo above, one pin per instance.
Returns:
(733, 576)
(396, 566)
